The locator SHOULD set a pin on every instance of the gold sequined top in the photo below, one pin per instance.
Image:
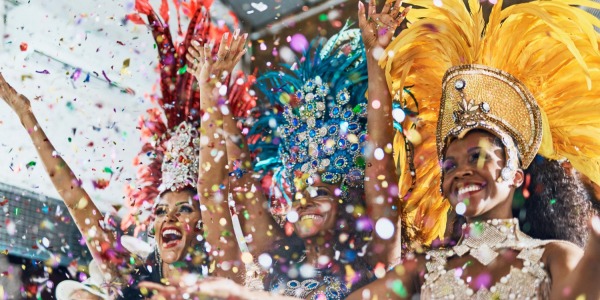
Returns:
(531, 281)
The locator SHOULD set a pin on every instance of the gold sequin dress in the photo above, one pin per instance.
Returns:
(531, 281)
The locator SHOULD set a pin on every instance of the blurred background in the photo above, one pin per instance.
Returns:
(89, 73)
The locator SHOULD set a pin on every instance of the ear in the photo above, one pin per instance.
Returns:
(519, 178)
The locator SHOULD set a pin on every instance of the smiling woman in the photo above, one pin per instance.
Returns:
(502, 124)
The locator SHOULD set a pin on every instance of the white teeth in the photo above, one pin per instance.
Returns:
(469, 188)
(312, 217)
(171, 231)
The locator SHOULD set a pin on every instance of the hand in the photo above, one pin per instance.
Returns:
(19, 103)
(212, 287)
(205, 68)
(378, 28)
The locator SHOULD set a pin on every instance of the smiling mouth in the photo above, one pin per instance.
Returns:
(171, 237)
(469, 188)
(311, 217)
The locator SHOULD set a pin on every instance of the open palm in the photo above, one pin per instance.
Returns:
(378, 28)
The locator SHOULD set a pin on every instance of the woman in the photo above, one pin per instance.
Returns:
(177, 222)
(324, 168)
(504, 119)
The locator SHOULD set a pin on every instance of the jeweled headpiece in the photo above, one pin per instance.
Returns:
(168, 159)
(480, 97)
(180, 162)
(525, 75)
(317, 117)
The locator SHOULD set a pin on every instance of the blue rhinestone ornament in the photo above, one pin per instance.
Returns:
(329, 132)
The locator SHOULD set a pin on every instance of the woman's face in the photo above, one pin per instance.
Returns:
(176, 216)
(471, 171)
(317, 208)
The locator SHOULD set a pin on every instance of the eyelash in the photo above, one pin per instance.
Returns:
(183, 209)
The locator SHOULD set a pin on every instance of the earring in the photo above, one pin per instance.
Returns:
(151, 231)
(199, 225)
(506, 174)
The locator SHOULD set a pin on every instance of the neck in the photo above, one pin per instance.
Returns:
(314, 251)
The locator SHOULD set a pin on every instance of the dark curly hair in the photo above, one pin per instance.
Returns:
(287, 253)
(552, 203)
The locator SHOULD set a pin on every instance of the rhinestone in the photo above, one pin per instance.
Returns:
(460, 84)
(485, 107)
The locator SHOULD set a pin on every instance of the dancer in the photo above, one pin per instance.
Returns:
(325, 166)
(177, 217)
(511, 99)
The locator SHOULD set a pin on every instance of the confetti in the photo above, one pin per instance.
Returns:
(43, 72)
(260, 6)
(23, 46)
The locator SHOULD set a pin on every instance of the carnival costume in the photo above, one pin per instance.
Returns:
(530, 76)
(315, 124)
(168, 160)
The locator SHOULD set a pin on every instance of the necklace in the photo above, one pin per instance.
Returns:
(482, 241)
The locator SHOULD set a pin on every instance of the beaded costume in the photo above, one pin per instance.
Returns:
(529, 76)
(529, 282)
(316, 124)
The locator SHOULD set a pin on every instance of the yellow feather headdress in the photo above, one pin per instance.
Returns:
(548, 46)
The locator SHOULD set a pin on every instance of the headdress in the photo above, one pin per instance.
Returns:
(168, 160)
(526, 76)
(316, 120)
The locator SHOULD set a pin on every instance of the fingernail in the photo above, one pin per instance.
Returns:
(226, 35)
(360, 5)
(245, 35)
(237, 32)
(195, 43)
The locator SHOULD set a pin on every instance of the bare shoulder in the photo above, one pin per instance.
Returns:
(561, 255)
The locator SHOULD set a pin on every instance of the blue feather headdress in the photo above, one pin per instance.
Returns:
(316, 120)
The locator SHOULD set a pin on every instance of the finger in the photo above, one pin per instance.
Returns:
(242, 44)
(239, 56)
(191, 60)
(207, 55)
(224, 47)
(235, 42)
(192, 56)
(397, 6)
(404, 13)
(372, 8)
(362, 19)
(386, 7)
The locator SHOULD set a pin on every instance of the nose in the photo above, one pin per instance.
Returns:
(463, 171)
(171, 215)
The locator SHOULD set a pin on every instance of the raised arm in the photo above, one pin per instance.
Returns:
(247, 193)
(213, 183)
(380, 175)
(82, 209)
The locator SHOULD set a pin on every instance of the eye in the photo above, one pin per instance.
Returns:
(323, 192)
(160, 211)
(474, 156)
(186, 209)
(447, 166)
